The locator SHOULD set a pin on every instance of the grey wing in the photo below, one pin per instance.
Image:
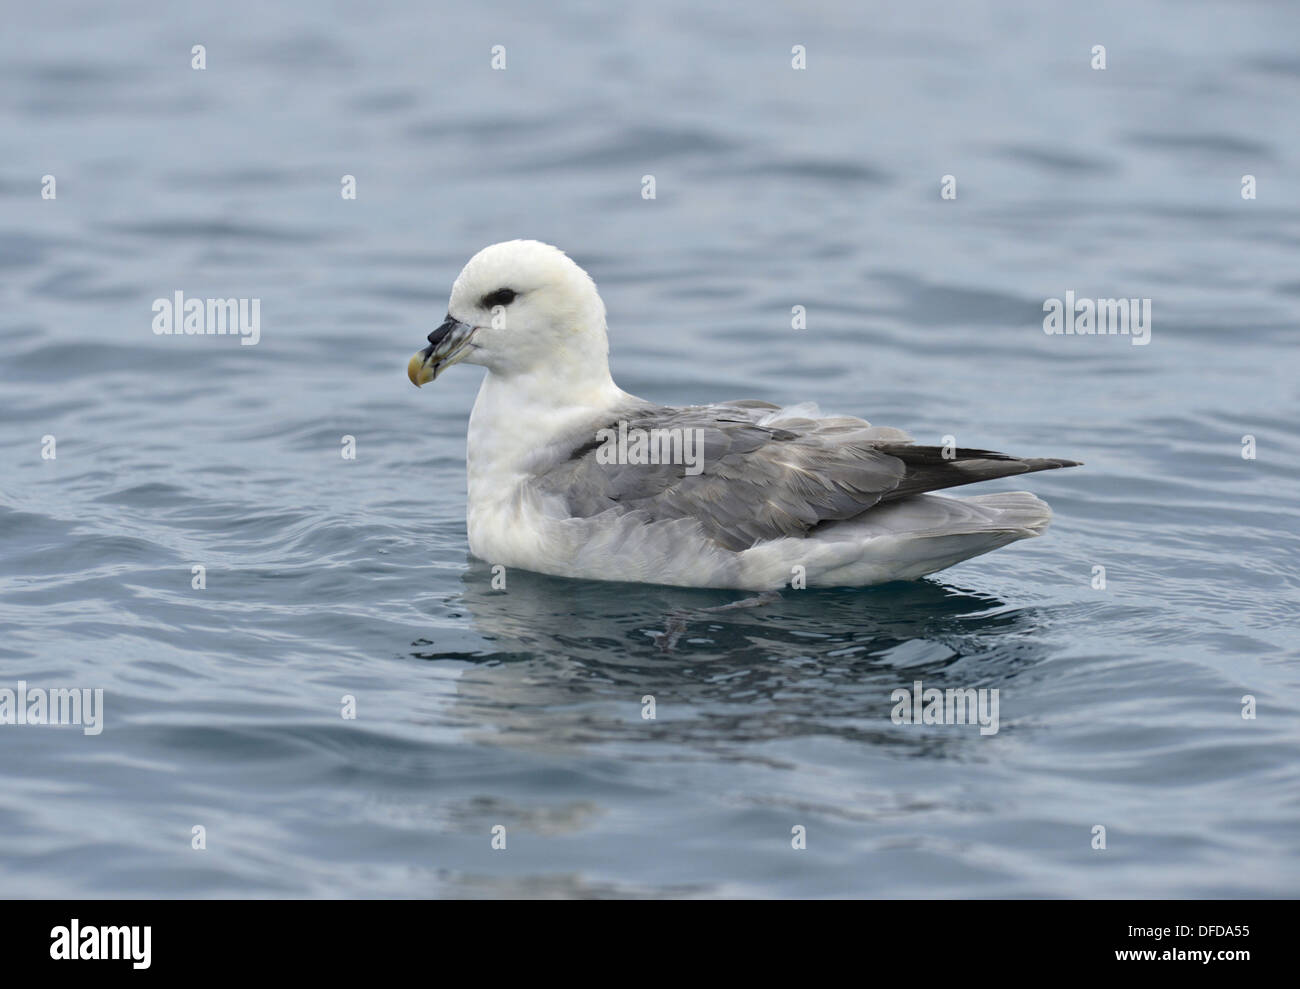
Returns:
(746, 481)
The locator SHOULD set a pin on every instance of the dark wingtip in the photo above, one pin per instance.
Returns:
(1050, 463)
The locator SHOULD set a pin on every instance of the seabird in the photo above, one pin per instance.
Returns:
(572, 476)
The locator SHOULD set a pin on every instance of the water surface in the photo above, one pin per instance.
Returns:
(326, 577)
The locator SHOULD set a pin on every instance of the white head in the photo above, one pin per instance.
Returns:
(521, 309)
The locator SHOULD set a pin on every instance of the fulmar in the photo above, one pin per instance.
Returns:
(570, 475)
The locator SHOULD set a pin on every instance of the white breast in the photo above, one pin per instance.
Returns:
(515, 430)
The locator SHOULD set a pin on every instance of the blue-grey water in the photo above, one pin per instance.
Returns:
(1120, 706)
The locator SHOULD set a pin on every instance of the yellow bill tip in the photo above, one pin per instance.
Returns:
(418, 371)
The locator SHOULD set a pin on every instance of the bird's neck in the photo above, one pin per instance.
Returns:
(520, 419)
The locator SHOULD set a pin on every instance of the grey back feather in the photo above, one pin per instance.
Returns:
(763, 477)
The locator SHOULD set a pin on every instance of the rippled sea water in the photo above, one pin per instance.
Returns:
(775, 187)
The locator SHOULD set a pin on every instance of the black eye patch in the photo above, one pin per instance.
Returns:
(501, 297)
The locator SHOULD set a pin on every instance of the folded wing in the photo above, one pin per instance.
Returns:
(760, 475)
